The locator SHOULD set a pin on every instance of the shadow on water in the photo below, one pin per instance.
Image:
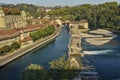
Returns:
(41, 56)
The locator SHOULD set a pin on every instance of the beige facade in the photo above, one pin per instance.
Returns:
(84, 23)
(12, 21)
(16, 21)
(23, 38)
(2, 19)
(9, 41)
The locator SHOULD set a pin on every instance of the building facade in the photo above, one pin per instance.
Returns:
(12, 21)
(2, 19)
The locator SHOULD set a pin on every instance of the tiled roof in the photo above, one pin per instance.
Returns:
(26, 39)
(11, 33)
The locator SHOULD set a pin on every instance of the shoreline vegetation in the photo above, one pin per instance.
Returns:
(35, 35)
(105, 15)
(60, 69)
(43, 39)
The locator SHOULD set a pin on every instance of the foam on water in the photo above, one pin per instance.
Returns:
(97, 52)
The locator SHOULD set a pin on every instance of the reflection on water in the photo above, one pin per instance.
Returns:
(105, 58)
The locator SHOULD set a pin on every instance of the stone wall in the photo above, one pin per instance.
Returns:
(2, 19)
(12, 21)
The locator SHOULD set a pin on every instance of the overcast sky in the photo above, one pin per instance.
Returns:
(57, 2)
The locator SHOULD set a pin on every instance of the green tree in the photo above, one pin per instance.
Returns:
(42, 32)
(35, 72)
(15, 45)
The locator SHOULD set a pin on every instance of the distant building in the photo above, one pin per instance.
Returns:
(25, 39)
(2, 19)
(48, 9)
(12, 21)
(84, 23)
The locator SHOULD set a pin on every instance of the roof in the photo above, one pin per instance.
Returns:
(26, 39)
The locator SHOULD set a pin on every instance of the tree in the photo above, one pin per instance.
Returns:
(104, 15)
(59, 70)
(15, 45)
(42, 32)
(4, 49)
(35, 72)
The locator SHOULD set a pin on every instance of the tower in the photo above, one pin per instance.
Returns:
(2, 19)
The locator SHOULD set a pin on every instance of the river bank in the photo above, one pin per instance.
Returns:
(22, 51)
(41, 56)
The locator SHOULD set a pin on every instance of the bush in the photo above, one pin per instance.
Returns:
(4, 49)
(42, 32)
(59, 70)
(15, 45)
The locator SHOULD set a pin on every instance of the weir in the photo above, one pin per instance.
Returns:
(77, 57)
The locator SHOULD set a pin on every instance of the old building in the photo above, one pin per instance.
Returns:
(84, 23)
(12, 21)
(2, 19)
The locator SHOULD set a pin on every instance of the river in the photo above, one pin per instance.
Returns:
(41, 56)
(105, 58)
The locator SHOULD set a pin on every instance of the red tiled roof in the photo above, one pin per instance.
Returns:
(11, 33)
(26, 39)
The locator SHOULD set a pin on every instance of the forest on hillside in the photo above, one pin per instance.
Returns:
(106, 15)
(11, 9)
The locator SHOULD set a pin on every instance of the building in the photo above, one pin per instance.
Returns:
(2, 19)
(25, 39)
(84, 23)
(12, 21)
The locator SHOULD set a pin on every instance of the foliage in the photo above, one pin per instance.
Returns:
(11, 11)
(35, 72)
(59, 70)
(15, 45)
(106, 15)
(29, 21)
(60, 63)
(42, 32)
(16, 9)
(6, 48)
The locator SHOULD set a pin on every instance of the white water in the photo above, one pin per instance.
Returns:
(97, 52)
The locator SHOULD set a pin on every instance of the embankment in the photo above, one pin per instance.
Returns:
(24, 50)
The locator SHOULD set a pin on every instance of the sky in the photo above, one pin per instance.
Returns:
(57, 2)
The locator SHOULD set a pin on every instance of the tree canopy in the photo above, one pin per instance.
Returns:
(106, 15)
(60, 69)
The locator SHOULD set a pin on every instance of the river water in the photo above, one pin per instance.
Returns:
(41, 56)
(105, 58)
